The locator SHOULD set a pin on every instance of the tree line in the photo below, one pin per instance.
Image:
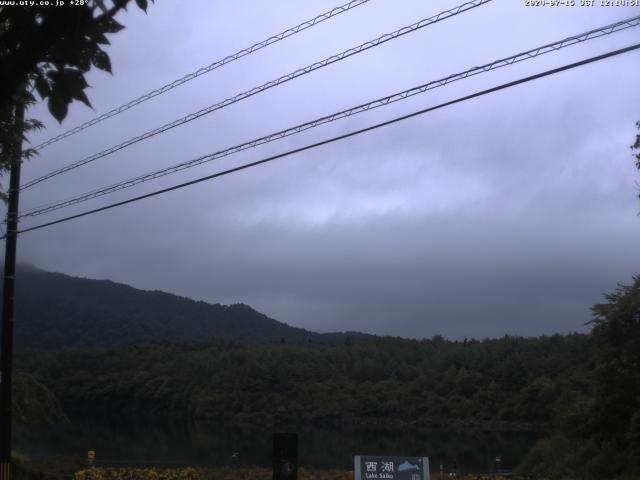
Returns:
(508, 383)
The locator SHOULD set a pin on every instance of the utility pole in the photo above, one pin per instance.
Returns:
(8, 289)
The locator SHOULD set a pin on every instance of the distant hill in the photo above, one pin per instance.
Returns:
(55, 310)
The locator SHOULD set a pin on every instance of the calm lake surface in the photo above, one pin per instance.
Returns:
(472, 451)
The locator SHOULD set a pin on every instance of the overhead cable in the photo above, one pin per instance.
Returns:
(529, 54)
(339, 137)
(273, 83)
(201, 71)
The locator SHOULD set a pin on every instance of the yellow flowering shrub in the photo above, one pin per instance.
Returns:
(139, 473)
(230, 474)
(202, 474)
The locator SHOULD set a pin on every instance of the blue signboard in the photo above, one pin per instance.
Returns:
(390, 468)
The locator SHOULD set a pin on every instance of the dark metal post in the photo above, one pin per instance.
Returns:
(6, 355)
(285, 456)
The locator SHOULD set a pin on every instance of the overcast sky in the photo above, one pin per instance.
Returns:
(507, 214)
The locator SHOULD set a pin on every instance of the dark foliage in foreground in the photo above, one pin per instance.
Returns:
(599, 435)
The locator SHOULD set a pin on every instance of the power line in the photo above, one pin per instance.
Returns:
(273, 83)
(529, 54)
(201, 71)
(340, 137)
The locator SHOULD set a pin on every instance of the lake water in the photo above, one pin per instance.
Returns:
(472, 451)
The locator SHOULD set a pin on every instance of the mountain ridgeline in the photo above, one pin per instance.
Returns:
(152, 354)
(55, 310)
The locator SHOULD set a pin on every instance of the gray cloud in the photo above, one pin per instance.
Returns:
(511, 213)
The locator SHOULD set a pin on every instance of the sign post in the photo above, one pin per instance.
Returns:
(390, 468)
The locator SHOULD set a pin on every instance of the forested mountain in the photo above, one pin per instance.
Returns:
(55, 310)
(139, 356)
(157, 355)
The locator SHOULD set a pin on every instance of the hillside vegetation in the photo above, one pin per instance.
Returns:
(55, 310)
(582, 390)
(509, 383)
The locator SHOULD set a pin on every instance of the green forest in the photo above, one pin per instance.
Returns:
(582, 391)
(510, 383)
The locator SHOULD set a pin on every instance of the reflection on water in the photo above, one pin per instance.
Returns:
(137, 445)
